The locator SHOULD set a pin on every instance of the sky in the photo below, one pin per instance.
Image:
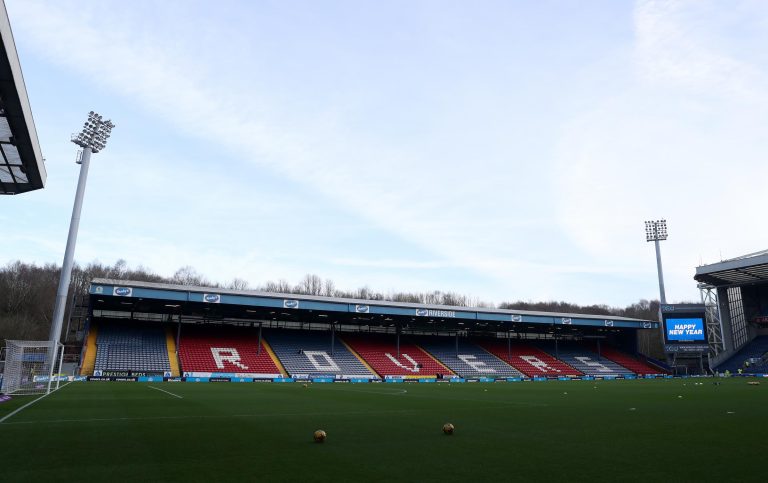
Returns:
(503, 150)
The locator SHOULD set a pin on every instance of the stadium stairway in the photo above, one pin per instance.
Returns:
(173, 356)
(757, 348)
(235, 350)
(309, 354)
(623, 359)
(471, 361)
(89, 358)
(527, 359)
(585, 361)
(133, 346)
(380, 352)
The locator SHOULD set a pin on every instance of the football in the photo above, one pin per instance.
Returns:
(319, 436)
(448, 428)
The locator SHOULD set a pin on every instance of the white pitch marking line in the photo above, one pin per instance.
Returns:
(167, 392)
(7, 416)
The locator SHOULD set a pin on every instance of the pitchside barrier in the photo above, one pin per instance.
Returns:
(223, 377)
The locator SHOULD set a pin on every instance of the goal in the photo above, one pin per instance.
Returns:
(27, 366)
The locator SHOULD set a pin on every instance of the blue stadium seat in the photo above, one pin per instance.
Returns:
(309, 354)
(471, 361)
(131, 347)
(753, 350)
(584, 360)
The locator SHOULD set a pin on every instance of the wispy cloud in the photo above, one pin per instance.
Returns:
(680, 139)
(419, 195)
(682, 44)
(444, 143)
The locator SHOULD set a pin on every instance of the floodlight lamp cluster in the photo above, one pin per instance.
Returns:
(656, 230)
(95, 133)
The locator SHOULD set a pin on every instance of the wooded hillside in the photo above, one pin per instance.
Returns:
(28, 292)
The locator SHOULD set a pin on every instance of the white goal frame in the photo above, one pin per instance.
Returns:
(28, 368)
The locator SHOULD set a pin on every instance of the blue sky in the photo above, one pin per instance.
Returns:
(505, 150)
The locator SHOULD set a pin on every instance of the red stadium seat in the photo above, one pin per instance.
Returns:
(380, 352)
(223, 349)
(527, 359)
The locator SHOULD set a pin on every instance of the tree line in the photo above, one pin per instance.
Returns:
(28, 293)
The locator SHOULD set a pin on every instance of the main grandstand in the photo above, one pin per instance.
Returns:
(21, 161)
(141, 329)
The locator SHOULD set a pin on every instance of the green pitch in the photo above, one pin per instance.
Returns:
(546, 431)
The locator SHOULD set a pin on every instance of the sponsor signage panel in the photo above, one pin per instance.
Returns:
(436, 313)
(687, 348)
(108, 373)
(122, 291)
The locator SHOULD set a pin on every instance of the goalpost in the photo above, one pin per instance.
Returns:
(28, 369)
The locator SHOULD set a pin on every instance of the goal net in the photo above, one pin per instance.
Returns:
(27, 366)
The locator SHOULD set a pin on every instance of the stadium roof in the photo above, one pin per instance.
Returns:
(21, 162)
(743, 270)
(212, 303)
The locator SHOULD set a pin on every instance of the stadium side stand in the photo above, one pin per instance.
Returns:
(528, 359)
(380, 352)
(309, 354)
(585, 361)
(131, 347)
(224, 350)
(625, 360)
(471, 360)
(757, 350)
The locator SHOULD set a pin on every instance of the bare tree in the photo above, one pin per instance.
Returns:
(238, 284)
(329, 288)
(310, 285)
(281, 286)
(188, 276)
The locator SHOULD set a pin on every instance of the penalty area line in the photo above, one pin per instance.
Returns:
(18, 410)
(167, 392)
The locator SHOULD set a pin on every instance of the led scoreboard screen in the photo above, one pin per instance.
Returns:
(685, 328)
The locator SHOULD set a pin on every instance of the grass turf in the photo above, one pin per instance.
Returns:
(637, 430)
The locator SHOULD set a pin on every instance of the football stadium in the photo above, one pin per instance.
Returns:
(170, 382)
(195, 383)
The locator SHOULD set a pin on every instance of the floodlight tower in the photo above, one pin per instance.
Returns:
(93, 138)
(656, 231)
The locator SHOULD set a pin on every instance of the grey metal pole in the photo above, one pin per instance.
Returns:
(333, 333)
(178, 333)
(598, 350)
(457, 344)
(258, 350)
(662, 295)
(398, 341)
(69, 255)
